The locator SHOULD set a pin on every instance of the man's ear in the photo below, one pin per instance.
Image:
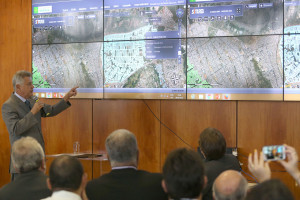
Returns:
(49, 184)
(84, 180)
(164, 186)
(43, 166)
(205, 182)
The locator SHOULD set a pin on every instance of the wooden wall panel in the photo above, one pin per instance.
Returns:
(139, 117)
(188, 118)
(73, 124)
(15, 54)
(268, 123)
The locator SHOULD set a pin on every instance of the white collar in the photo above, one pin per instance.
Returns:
(22, 99)
(63, 194)
(124, 167)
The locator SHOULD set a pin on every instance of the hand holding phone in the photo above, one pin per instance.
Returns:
(274, 152)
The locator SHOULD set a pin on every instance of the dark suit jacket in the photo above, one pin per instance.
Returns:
(21, 122)
(126, 184)
(213, 168)
(27, 186)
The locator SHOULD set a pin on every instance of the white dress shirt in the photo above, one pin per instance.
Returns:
(63, 195)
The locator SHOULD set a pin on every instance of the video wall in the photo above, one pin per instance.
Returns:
(167, 49)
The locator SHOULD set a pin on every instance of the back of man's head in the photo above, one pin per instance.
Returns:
(230, 185)
(66, 173)
(183, 174)
(27, 155)
(121, 147)
(272, 189)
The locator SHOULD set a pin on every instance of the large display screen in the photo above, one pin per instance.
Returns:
(235, 68)
(167, 49)
(56, 21)
(136, 19)
(57, 67)
(148, 69)
(208, 18)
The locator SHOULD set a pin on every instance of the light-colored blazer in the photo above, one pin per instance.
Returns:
(21, 122)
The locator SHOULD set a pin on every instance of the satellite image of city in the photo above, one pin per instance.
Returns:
(67, 65)
(291, 54)
(128, 65)
(153, 63)
(292, 59)
(235, 62)
(145, 23)
(68, 27)
(235, 18)
(292, 16)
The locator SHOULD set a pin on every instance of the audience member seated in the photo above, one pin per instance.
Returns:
(230, 185)
(28, 159)
(125, 181)
(183, 175)
(66, 179)
(212, 145)
(270, 190)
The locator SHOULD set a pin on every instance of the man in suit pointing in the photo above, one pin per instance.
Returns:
(22, 113)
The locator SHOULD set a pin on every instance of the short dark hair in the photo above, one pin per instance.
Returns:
(212, 143)
(66, 173)
(272, 189)
(183, 173)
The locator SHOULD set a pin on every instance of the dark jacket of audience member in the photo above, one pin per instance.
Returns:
(125, 181)
(31, 184)
(212, 145)
(183, 175)
(272, 189)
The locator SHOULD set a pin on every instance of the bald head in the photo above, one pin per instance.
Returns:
(230, 185)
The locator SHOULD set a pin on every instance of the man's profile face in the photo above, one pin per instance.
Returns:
(26, 89)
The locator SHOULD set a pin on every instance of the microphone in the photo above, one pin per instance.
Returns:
(36, 99)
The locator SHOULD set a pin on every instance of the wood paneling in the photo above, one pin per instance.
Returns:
(138, 116)
(160, 126)
(73, 124)
(15, 54)
(268, 123)
(185, 120)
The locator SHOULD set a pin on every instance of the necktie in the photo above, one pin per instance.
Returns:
(28, 104)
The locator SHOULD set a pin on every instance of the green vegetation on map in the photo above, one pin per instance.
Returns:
(263, 81)
(89, 83)
(194, 80)
(133, 79)
(38, 80)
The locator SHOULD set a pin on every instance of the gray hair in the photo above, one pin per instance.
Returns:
(121, 147)
(27, 154)
(18, 78)
(238, 194)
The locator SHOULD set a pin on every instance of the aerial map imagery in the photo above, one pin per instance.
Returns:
(229, 18)
(145, 64)
(67, 65)
(67, 21)
(235, 62)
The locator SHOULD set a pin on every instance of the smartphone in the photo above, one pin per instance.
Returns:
(274, 152)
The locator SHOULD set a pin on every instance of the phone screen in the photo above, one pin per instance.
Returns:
(274, 152)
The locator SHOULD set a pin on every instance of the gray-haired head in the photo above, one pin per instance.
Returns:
(122, 149)
(27, 154)
(18, 78)
(230, 185)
